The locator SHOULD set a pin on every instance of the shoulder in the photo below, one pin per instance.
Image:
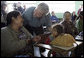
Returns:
(23, 28)
(28, 12)
(30, 9)
(5, 32)
(65, 36)
(62, 22)
(68, 36)
(4, 29)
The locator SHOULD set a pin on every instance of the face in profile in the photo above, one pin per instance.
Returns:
(18, 21)
(38, 13)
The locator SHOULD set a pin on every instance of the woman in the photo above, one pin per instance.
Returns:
(14, 37)
(61, 39)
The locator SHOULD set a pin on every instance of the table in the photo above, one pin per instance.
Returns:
(52, 48)
(78, 38)
(49, 47)
(37, 52)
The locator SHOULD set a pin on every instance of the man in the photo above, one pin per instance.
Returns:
(19, 8)
(54, 18)
(36, 17)
(69, 27)
(3, 14)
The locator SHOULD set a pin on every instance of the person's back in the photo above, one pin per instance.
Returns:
(27, 16)
(63, 40)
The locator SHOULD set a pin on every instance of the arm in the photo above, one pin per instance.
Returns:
(48, 22)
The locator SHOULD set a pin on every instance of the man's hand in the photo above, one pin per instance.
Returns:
(50, 29)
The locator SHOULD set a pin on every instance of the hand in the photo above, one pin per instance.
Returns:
(37, 39)
(28, 41)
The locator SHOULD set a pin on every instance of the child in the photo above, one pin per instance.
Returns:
(61, 39)
(69, 27)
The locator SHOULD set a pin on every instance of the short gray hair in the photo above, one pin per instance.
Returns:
(44, 7)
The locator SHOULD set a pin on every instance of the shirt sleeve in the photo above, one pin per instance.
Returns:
(48, 20)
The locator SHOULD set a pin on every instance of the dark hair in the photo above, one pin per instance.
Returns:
(10, 15)
(67, 12)
(59, 28)
(81, 13)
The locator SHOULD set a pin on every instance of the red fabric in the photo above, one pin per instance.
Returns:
(78, 11)
(54, 53)
(47, 41)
